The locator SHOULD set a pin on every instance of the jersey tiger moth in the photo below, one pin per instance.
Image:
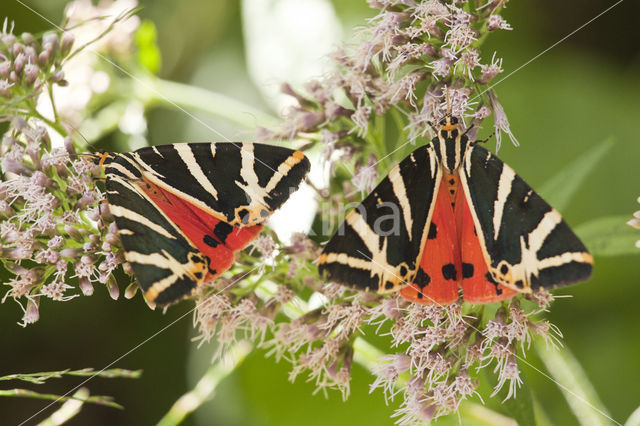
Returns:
(466, 221)
(182, 210)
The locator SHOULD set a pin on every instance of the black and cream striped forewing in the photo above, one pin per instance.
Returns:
(526, 243)
(379, 245)
(241, 183)
(238, 184)
(166, 264)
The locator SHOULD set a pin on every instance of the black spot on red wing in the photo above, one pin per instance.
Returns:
(449, 271)
(453, 191)
(519, 284)
(494, 282)
(198, 275)
(388, 285)
(475, 232)
(433, 231)
(467, 270)
(419, 294)
(222, 231)
(244, 216)
(504, 269)
(210, 241)
(422, 279)
(452, 181)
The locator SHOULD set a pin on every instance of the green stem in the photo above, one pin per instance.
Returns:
(68, 410)
(206, 386)
(574, 384)
(26, 393)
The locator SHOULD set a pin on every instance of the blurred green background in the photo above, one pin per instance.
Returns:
(567, 101)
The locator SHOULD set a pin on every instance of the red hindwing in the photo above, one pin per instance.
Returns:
(216, 239)
(452, 256)
(477, 284)
(436, 280)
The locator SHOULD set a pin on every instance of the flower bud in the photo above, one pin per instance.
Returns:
(30, 73)
(44, 58)
(5, 88)
(114, 291)
(5, 68)
(85, 286)
(73, 233)
(50, 39)
(58, 77)
(68, 145)
(66, 43)
(17, 49)
(31, 54)
(9, 39)
(131, 290)
(70, 252)
(31, 314)
(28, 38)
(18, 62)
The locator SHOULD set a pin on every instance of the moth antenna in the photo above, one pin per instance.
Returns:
(469, 128)
(448, 101)
(483, 140)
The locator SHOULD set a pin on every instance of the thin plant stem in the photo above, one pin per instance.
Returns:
(206, 386)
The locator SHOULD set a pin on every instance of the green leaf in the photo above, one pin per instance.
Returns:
(148, 52)
(574, 384)
(634, 418)
(477, 414)
(609, 236)
(559, 189)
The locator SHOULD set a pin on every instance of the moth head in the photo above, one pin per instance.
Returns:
(448, 122)
(101, 158)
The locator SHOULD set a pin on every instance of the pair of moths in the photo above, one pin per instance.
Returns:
(466, 221)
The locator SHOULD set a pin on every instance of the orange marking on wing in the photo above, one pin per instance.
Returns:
(436, 281)
(198, 227)
(477, 284)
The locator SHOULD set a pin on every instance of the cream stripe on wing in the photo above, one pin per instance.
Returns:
(504, 189)
(186, 154)
(345, 259)
(564, 258)
(548, 223)
(400, 192)
(124, 212)
(120, 168)
(283, 170)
